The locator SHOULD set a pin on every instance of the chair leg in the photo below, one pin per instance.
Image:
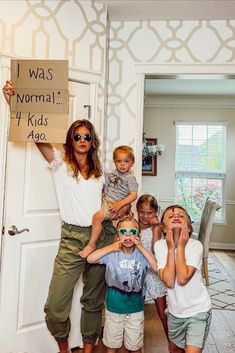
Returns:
(205, 270)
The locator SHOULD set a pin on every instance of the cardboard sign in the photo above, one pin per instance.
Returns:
(40, 106)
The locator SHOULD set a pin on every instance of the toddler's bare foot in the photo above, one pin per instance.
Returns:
(87, 250)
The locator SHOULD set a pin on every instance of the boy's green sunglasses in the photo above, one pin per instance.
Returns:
(130, 231)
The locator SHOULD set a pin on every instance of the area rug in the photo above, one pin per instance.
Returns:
(221, 287)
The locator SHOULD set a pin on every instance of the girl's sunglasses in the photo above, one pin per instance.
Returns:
(87, 137)
(131, 231)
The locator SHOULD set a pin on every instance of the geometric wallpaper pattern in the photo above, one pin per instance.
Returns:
(157, 42)
(73, 30)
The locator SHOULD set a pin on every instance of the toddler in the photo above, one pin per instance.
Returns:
(120, 189)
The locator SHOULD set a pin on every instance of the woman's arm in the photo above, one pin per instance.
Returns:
(46, 149)
(96, 255)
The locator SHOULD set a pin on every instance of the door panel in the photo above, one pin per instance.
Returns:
(28, 257)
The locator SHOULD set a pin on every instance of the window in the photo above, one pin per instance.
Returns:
(200, 166)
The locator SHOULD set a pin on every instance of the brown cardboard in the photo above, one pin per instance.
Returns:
(38, 127)
(41, 101)
(39, 74)
(40, 106)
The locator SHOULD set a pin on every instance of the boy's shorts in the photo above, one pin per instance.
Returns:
(127, 328)
(190, 331)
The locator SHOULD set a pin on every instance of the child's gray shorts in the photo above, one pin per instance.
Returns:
(190, 331)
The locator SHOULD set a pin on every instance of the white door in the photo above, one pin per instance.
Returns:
(27, 258)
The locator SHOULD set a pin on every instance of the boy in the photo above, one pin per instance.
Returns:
(120, 189)
(179, 263)
(126, 263)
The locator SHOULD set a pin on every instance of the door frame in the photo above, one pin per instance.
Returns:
(144, 69)
(94, 79)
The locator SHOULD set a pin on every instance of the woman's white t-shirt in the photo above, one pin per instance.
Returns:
(78, 198)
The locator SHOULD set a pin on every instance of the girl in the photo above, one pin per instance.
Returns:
(150, 232)
(154, 289)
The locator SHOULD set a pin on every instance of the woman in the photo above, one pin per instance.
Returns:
(78, 182)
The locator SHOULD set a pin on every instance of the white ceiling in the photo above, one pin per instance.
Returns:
(131, 10)
(186, 85)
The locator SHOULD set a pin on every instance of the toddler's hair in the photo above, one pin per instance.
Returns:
(183, 209)
(148, 200)
(124, 149)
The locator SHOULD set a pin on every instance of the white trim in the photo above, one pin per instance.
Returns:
(192, 101)
(139, 128)
(185, 69)
(85, 76)
(205, 175)
(182, 122)
(167, 200)
(230, 202)
(4, 113)
(222, 246)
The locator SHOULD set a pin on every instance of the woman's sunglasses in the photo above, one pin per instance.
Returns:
(87, 137)
(131, 231)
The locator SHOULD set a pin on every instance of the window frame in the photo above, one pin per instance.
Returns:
(205, 175)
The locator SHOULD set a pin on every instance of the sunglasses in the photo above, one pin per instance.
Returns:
(87, 137)
(131, 231)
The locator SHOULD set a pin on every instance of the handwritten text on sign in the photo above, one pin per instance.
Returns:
(39, 108)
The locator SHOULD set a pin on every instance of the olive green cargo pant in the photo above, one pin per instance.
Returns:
(67, 269)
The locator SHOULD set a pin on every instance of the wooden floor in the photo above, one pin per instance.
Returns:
(222, 331)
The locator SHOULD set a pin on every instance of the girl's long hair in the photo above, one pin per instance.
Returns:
(93, 154)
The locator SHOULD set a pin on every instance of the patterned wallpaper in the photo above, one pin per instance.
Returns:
(73, 30)
(157, 42)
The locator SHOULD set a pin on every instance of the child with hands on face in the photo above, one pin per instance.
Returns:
(179, 264)
(150, 232)
(126, 263)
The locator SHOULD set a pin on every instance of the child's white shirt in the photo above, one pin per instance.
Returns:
(192, 298)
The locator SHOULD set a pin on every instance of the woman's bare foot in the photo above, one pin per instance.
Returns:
(89, 248)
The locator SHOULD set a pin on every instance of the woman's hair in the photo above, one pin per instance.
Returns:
(127, 219)
(93, 154)
(124, 149)
(147, 200)
(181, 208)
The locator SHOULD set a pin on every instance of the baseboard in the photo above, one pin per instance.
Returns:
(222, 246)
